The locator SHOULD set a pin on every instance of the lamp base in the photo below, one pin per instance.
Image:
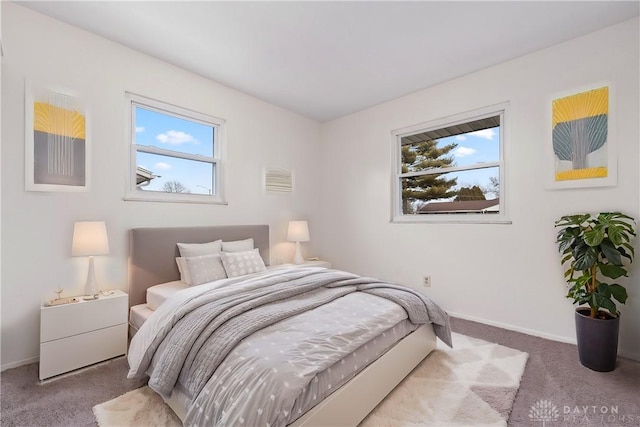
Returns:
(91, 287)
(297, 258)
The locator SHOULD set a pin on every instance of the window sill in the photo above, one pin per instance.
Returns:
(175, 198)
(450, 219)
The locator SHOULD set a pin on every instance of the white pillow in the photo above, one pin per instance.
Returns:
(184, 270)
(238, 245)
(204, 268)
(241, 263)
(198, 249)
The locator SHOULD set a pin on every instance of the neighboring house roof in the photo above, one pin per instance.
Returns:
(144, 176)
(463, 206)
(476, 125)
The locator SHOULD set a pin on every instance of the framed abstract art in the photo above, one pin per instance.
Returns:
(57, 149)
(582, 145)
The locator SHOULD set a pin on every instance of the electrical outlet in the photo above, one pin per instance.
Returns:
(426, 281)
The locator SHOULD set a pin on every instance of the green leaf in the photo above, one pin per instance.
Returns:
(612, 271)
(603, 289)
(578, 294)
(565, 244)
(594, 236)
(585, 256)
(582, 218)
(610, 252)
(584, 279)
(583, 300)
(618, 292)
(631, 253)
(570, 220)
(608, 304)
(621, 219)
(617, 235)
(566, 258)
(566, 237)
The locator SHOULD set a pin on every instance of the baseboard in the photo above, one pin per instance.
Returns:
(626, 355)
(509, 327)
(79, 370)
(629, 355)
(19, 363)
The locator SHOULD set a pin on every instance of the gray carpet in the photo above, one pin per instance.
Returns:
(65, 401)
(553, 376)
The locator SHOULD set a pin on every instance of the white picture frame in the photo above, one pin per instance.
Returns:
(57, 140)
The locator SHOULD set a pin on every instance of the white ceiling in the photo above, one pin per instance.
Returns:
(328, 59)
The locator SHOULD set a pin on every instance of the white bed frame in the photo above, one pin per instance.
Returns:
(346, 406)
(352, 402)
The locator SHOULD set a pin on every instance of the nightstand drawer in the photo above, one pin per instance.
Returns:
(67, 354)
(67, 320)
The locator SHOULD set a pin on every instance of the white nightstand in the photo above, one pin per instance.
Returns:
(82, 333)
(307, 263)
(316, 263)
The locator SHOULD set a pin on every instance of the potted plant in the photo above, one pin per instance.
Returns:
(595, 249)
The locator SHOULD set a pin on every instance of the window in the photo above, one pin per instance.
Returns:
(176, 154)
(451, 170)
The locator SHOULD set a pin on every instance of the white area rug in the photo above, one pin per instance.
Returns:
(140, 407)
(471, 385)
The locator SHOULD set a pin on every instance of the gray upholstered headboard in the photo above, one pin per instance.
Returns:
(152, 251)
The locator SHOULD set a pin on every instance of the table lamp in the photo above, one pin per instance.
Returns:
(298, 232)
(90, 239)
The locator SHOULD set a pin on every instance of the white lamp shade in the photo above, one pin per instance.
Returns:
(89, 239)
(298, 231)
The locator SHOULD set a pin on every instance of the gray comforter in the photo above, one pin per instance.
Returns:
(202, 330)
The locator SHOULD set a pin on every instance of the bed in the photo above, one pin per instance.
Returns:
(152, 262)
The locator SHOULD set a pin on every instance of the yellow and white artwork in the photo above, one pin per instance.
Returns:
(580, 136)
(56, 143)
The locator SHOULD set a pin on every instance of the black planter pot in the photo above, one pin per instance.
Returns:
(597, 341)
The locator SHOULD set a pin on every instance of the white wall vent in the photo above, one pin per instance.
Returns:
(277, 180)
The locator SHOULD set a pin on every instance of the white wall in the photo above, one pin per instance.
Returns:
(508, 275)
(37, 227)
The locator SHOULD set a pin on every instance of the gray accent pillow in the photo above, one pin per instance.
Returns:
(241, 263)
(197, 249)
(238, 245)
(205, 268)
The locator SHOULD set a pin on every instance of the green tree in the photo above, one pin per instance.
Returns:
(418, 157)
(470, 193)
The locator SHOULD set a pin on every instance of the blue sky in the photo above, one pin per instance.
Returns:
(475, 147)
(176, 134)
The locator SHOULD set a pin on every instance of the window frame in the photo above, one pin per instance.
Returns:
(396, 177)
(133, 193)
